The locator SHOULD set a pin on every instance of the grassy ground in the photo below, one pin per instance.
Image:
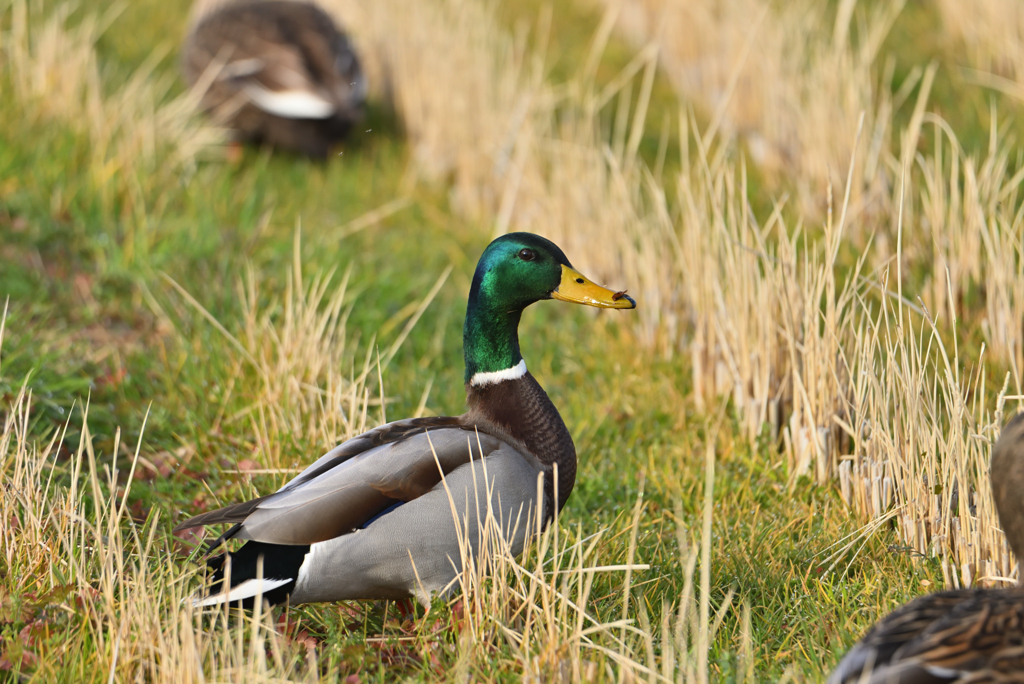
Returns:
(113, 279)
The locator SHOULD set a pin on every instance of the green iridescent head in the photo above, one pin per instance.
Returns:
(515, 271)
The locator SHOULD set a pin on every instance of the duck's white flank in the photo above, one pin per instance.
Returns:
(290, 104)
(245, 590)
(307, 562)
(494, 377)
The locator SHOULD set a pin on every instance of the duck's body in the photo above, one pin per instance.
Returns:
(391, 513)
(276, 71)
(969, 635)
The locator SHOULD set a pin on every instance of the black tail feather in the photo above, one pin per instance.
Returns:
(279, 562)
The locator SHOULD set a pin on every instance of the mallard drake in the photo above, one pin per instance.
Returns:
(969, 635)
(372, 518)
(277, 71)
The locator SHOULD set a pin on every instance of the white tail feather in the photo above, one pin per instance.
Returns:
(245, 590)
(290, 104)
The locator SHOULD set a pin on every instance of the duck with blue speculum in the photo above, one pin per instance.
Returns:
(372, 518)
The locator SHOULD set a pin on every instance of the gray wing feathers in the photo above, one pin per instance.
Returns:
(339, 454)
(390, 432)
(344, 497)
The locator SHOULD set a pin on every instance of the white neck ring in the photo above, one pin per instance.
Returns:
(494, 377)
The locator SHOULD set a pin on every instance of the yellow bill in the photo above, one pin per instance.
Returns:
(575, 287)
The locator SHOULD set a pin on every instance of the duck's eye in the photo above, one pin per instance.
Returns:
(527, 254)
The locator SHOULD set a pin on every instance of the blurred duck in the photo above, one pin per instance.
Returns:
(968, 635)
(279, 72)
(389, 513)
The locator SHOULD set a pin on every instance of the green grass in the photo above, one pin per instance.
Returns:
(93, 319)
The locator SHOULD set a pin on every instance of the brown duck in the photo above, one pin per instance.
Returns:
(278, 72)
(373, 518)
(969, 635)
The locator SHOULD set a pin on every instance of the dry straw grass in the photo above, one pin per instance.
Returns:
(919, 437)
(834, 368)
(969, 215)
(859, 382)
(138, 136)
(291, 358)
(788, 79)
(70, 550)
(101, 597)
(97, 591)
(461, 88)
(52, 63)
(991, 33)
(295, 353)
